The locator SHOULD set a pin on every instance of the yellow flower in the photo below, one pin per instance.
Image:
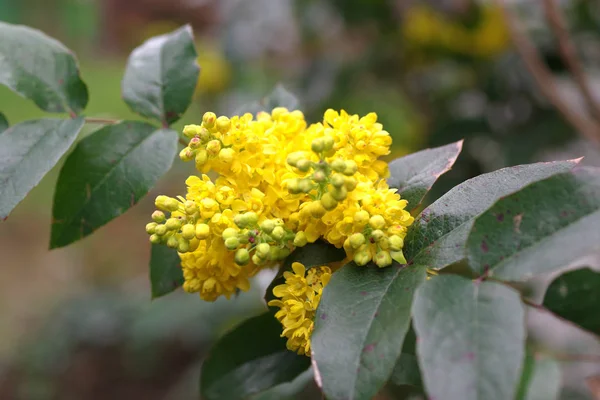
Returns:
(299, 298)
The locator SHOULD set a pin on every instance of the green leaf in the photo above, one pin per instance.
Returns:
(27, 152)
(161, 76)
(40, 68)
(539, 229)
(106, 174)
(3, 123)
(540, 380)
(360, 325)
(415, 174)
(439, 234)
(279, 97)
(250, 359)
(288, 391)
(312, 255)
(575, 296)
(406, 371)
(471, 338)
(165, 270)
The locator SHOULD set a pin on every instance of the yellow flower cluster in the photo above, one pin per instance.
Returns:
(300, 296)
(281, 184)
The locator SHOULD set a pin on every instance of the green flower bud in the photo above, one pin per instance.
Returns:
(319, 176)
(377, 235)
(209, 119)
(293, 158)
(396, 243)
(188, 231)
(293, 186)
(223, 124)
(357, 240)
(305, 185)
(278, 233)
(351, 168)
(155, 239)
(262, 250)
(273, 253)
(183, 246)
(240, 221)
(327, 143)
(202, 231)
(232, 243)
(337, 181)
(361, 217)
(316, 209)
(173, 224)
(362, 258)
(383, 259)
(251, 218)
(267, 225)
(213, 147)
(191, 130)
(242, 257)
(172, 242)
(229, 233)
(158, 217)
(303, 165)
(166, 203)
(151, 227)
(329, 203)
(338, 165)
(377, 222)
(186, 154)
(160, 230)
(339, 194)
(190, 207)
(317, 145)
(284, 252)
(350, 183)
(300, 239)
(194, 243)
(257, 260)
(201, 158)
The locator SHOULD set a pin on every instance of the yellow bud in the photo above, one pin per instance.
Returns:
(257, 260)
(305, 185)
(188, 231)
(396, 243)
(339, 194)
(204, 135)
(190, 207)
(229, 233)
(232, 243)
(160, 230)
(166, 203)
(383, 259)
(350, 183)
(278, 233)
(351, 168)
(362, 258)
(293, 187)
(172, 242)
(303, 165)
(186, 154)
(357, 240)
(316, 209)
(191, 130)
(158, 216)
(213, 147)
(317, 145)
(194, 143)
(327, 143)
(337, 181)
(377, 235)
(262, 250)
(209, 119)
(155, 239)
(293, 158)
(242, 257)
(283, 253)
(223, 124)
(377, 222)
(240, 221)
(300, 239)
(319, 176)
(150, 228)
(251, 218)
(194, 243)
(278, 112)
(273, 253)
(361, 217)
(201, 157)
(183, 246)
(226, 155)
(173, 224)
(202, 231)
(338, 165)
(267, 225)
(329, 203)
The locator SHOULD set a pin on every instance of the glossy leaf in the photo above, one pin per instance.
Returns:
(541, 379)
(250, 359)
(107, 173)
(439, 234)
(166, 274)
(161, 76)
(312, 255)
(287, 391)
(415, 174)
(40, 68)
(539, 229)
(3, 123)
(575, 296)
(360, 325)
(471, 338)
(279, 97)
(27, 152)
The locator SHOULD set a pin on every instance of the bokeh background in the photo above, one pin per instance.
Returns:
(78, 322)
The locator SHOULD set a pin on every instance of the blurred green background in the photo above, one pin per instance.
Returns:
(78, 323)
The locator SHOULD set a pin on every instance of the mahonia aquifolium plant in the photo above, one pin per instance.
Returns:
(281, 184)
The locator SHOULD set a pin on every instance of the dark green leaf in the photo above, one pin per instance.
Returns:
(287, 391)
(27, 152)
(406, 371)
(165, 271)
(575, 296)
(161, 76)
(439, 234)
(539, 229)
(311, 255)
(540, 379)
(250, 359)
(360, 326)
(279, 97)
(40, 68)
(106, 174)
(3, 123)
(415, 174)
(471, 338)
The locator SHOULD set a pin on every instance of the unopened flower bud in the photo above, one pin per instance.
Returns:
(158, 217)
(229, 233)
(377, 235)
(257, 260)
(317, 145)
(194, 243)
(293, 187)
(273, 253)
(350, 183)
(316, 209)
(362, 258)
(329, 203)
(201, 158)
(213, 147)
(240, 221)
(173, 224)
(183, 246)
(351, 168)
(242, 257)
(278, 233)
(377, 222)
(186, 154)
(191, 130)
(150, 228)
(396, 243)
(319, 176)
(357, 240)
(232, 243)
(190, 207)
(383, 259)
(226, 155)
(300, 239)
(204, 135)
(223, 124)
(278, 112)
(293, 158)
(155, 239)
(361, 217)
(209, 119)
(202, 231)
(262, 250)
(283, 253)
(267, 225)
(188, 231)
(338, 165)
(303, 165)
(305, 185)
(251, 218)
(160, 230)
(166, 203)
(327, 143)
(339, 194)
(172, 242)
(194, 143)
(337, 181)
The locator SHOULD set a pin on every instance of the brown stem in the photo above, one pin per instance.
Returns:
(107, 121)
(569, 54)
(543, 76)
